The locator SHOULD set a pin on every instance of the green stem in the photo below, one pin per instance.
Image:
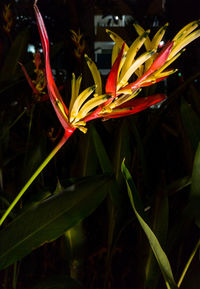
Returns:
(188, 263)
(37, 172)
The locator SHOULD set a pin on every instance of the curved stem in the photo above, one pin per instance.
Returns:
(37, 172)
(188, 263)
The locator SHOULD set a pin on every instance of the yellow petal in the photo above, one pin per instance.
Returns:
(139, 61)
(126, 90)
(168, 63)
(73, 87)
(140, 31)
(117, 47)
(91, 104)
(115, 52)
(77, 123)
(117, 39)
(186, 30)
(78, 85)
(61, 108)
(166, 73)
(155, 42)
(79, 102)
(124, 98)
(81, 126)
(96, 75)
(152, 78)
(184, 42)
(158, 36)
(136, 45)
(140, 71)
(83, 129)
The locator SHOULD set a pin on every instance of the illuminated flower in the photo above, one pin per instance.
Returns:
(148, 68)
(186, 35)
(118, 99)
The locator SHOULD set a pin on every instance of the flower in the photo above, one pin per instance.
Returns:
(186, 35)
(119, 98)
(148, 68)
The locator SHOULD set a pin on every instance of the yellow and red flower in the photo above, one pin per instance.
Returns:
(147, 69)
(119, 98)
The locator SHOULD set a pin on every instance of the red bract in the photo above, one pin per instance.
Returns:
(54, 94)
(111, 83)
(30, 82)
(158, 63)
(161, 58)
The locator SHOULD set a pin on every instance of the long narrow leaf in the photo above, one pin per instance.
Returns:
(104, 160)
(15, 53)
(195, 186)
(153, 241)
(51, 218)
(195, 189)
(160, 227)
(191, 122)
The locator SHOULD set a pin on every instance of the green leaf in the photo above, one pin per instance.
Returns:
(178, 185)
(57, 282)
(89, 161)
(153, 241)
(191, 123)
(122, 146)
(16, 50)
(194, 204)
(140, 149)
(195, 186)
(106, 167)
(160, 228)
(104, 160)
(51, 218)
